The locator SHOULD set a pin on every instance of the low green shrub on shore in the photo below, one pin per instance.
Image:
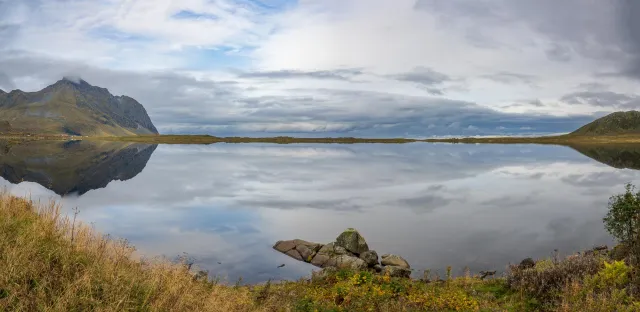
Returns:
(50, 263)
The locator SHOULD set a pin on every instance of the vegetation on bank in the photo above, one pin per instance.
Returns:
(612, 124)
(207, 139)
(52, 263)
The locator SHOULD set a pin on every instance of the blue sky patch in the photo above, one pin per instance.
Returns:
(219, 58)
(114, 34)
(187, 14)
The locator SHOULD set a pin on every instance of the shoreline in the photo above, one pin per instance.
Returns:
(564, 140)
(63, 265)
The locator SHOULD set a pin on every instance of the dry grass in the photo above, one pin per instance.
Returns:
(51, 263)
(48, 264)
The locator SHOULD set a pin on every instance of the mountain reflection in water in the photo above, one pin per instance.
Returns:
(72, 167)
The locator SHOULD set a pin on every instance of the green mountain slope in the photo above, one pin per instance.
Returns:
(613, 124)
(73, 107)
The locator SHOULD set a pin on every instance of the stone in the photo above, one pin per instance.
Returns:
(352, 241)
(294, 254)
(346, 262)
(332, 249)
(284, 246)
(378, 268)
(396, 271)
(311, 245)
(395, 260)
(526, 264)
(370, 257)
(320, 259)
(305, 252)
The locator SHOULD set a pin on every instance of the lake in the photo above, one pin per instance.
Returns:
(225, 205)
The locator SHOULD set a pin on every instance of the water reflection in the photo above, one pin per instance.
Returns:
(73, 167)
(615, 155)
(481, 206)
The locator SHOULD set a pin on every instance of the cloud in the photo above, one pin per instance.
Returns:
(559, 53)
(630, 31)
(603, 99)
(510, 78)
(341, 74)
(376, 67)
(6, 82)
(424, 76)
(182, 103)
(593, 86)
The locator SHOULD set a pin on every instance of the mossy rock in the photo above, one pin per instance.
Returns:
(352, 241)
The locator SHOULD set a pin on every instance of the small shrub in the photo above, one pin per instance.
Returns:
(614, 275)
(623, 218)
(546, 280)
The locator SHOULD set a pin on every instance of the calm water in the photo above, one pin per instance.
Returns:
(224, 205)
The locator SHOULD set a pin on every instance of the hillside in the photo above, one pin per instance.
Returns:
(613, 124)
(73, 107)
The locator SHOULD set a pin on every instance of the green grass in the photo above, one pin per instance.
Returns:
(207, 139)
(51, 263)
(566, 140)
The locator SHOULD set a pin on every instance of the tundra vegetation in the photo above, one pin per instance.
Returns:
(50, 262)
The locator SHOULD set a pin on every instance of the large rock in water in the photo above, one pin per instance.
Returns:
(352, 241)
(349, 251)
(346, 262)
(298, 249)
(394, 260)
(331, 249)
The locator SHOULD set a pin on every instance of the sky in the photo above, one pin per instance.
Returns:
(412, 68)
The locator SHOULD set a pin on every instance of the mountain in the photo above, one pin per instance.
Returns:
(73, 106)
(613, 124)
(73, 167)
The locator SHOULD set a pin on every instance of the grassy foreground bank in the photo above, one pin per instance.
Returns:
(50, 263)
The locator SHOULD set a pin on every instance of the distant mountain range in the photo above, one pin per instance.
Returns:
(618, 123)
(74, 107)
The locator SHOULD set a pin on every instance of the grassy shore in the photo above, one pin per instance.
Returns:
(567, 139)
(51, 263)
(207, 139)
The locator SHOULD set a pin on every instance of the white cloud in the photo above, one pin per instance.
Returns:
(510, 57)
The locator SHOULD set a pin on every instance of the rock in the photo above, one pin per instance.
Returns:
(370, 257)
(396, 271)
(324, 273)
(526, 264)
(305, 252)
(320, 259)
(378, 268)
(311, 245)
(352, 241)
(294, 254)
(395, 260)
(284, 246)
(332, 250)
(346, 262)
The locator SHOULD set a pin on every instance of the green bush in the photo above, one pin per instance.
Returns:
(623, 217)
